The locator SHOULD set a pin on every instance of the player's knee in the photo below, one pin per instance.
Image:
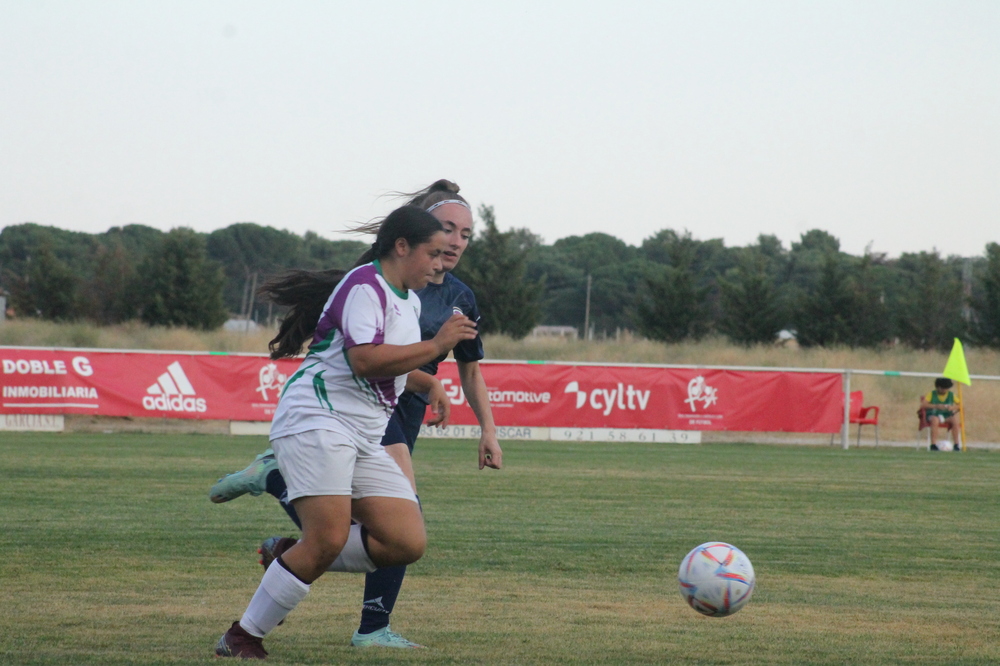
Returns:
(324, 547)
(412, 548)
(408, 546)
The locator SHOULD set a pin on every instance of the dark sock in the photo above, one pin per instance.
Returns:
(381, 589)
(275, 486)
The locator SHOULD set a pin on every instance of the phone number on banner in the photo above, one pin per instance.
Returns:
(568, 434)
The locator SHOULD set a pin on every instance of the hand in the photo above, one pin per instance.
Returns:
(440, 405)
(456, 329)
(490, 454)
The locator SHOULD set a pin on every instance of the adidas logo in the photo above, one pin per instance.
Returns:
(172, 392)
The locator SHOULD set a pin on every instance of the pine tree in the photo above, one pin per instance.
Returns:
(987, 306)
(822, 317)
(247, 252)
(111, 292)
(931, 310)
(673, 306)
(51, 286)
(868, 318)
(181, 286)
(752, 311)
(671, 309)
(495, 268)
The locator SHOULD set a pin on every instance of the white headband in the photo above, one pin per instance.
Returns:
(448, 201)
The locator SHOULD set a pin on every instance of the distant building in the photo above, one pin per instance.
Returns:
(786, 338)
(555, 332)
(240, 325)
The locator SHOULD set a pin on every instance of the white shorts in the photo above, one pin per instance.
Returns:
(322, 462)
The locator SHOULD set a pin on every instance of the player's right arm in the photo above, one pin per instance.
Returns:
(382, 360)
(419, 381)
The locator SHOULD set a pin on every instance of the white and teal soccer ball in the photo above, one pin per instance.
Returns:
(716, 579)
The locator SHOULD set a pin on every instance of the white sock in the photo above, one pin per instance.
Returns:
(353, 557)
(279, 592)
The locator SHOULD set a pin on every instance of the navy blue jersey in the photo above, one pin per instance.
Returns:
(438, 303)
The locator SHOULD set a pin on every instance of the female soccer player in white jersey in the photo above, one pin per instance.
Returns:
(442, 296)
(333, 412)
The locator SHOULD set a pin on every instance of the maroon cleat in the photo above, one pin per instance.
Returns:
(238, 643)
(272, 548)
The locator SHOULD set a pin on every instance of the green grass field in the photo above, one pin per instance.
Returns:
(112, 554)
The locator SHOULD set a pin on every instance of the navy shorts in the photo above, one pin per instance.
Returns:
(404, 424)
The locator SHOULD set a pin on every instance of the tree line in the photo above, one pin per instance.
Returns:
(174, 278)
(672, 287)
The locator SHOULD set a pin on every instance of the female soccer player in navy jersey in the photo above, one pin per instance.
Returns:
(443, 297)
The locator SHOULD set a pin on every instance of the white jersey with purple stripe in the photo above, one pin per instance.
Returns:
(324, 394)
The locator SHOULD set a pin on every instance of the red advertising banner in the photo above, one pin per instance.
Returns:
(110, 383)
(245, 387)
(582, 396)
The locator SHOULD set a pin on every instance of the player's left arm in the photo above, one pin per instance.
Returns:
(474, 386)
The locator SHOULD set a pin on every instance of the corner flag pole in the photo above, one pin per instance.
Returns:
(961, 416)
(957, 370)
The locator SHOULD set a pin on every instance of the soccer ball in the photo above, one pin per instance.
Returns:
(716, 579)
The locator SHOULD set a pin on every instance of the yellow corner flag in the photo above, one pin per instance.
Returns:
(956, 368)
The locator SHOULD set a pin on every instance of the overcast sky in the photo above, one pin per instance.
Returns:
(876, 121)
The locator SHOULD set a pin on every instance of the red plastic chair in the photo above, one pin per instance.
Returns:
(863, 415)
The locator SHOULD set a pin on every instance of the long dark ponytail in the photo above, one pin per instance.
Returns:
(306, 292)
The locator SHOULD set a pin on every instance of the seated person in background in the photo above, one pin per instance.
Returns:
(940, 408)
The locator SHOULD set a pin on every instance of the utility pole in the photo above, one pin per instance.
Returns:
(586, 312)
(967, 289)
(253, 297)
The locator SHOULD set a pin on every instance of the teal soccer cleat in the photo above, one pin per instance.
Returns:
(384, 637)
(251, 480)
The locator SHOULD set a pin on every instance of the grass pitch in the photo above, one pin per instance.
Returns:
(112, 554)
